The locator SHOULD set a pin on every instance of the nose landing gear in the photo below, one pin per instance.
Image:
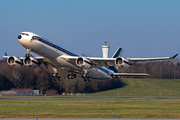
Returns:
(27, 50)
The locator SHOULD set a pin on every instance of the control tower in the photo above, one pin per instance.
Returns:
(105, 50)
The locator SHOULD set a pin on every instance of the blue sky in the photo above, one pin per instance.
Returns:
(143, 28)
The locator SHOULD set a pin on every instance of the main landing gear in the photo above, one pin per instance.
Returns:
(72, 76)
(85, 76)
(55, 75)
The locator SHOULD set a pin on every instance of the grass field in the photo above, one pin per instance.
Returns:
(145, 87)
(103, 108)
(90, 108)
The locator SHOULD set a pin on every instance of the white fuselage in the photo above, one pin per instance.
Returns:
(54, 53)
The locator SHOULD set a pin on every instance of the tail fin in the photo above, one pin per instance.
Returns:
(118, 53)
(174, 56)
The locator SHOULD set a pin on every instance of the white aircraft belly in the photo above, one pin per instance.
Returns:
(98, 74)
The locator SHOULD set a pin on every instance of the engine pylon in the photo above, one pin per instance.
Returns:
(105, 50)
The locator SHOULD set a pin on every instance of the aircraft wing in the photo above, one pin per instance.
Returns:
(41, 60)
(150, 59)
(96, 62)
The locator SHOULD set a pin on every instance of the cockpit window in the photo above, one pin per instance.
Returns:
(25, 34)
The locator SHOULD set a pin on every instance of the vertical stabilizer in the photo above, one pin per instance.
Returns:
(118, 53)
(105, 50)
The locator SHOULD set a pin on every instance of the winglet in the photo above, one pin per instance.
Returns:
(174, 56)
(5, 54)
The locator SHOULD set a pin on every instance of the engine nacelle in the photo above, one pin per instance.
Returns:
(30, 62)
(83, 63)
(14, 61)
(122, 62)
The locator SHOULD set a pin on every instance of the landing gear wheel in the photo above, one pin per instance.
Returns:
(86, 78)
(89, 79)
(59, 78)
(68, 76)
(75, 76)
(72, 76)
(55, 75)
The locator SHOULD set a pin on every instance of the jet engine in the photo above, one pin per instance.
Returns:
(30, 62)
(14, 61)
(83, 63)
(122, 62)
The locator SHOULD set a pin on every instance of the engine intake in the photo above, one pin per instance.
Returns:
(122, 62)
(119, 61)
(31, 62)
(83, 63)
(14, 61)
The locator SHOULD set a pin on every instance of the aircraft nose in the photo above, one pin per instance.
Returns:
(19, 37)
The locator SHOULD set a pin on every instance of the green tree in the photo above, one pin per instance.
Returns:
(43, 80)
(5, 84)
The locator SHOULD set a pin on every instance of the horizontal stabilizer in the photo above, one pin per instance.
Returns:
(131, 74)
(174, 56)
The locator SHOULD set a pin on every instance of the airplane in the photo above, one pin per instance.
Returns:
(59, 56)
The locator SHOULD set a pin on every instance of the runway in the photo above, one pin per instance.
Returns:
(49, 97)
